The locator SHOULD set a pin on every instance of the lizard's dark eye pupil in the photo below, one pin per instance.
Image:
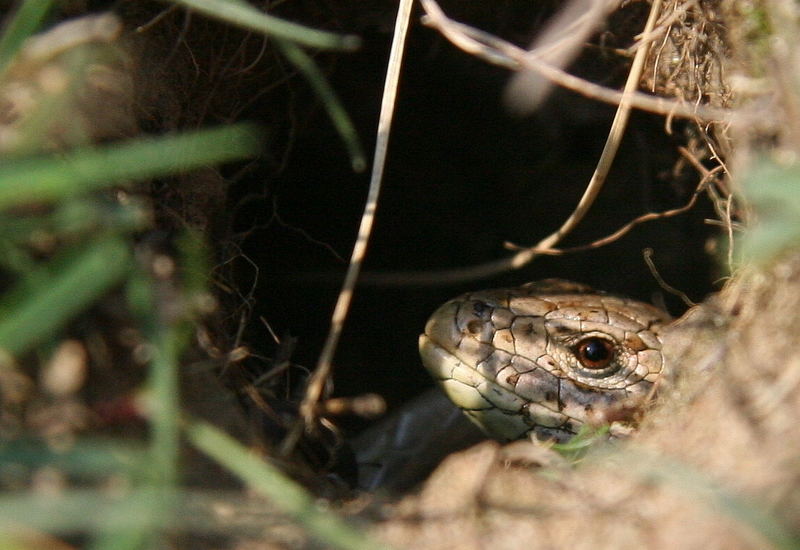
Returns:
(595, 353)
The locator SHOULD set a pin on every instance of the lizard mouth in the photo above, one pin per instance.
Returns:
(499, 412)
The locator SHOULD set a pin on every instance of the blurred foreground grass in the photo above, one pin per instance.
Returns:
(71, 222)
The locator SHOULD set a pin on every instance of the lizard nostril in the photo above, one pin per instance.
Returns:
(474, 326)
(480, 308)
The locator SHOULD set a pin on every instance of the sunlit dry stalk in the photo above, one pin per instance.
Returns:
(502, 53)
(318, 381)
(609, 150)
(557, 45)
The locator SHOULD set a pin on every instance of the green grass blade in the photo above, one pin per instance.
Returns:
(92, 459)
(747, 512)
(701, 488)
(25, 22)
(773, 191)
(288, 43)
(130, 539)
(166, 408)
(49, 297)
(56, 177)
(246, 16)
(168, 341)
(283, 492)
(78, 511)
(341, 121)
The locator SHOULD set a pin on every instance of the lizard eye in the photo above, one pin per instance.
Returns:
(595, 352)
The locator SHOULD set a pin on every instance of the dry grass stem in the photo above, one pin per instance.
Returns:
(458, 33)
(319, 379)
(500, 52)
(558, 44)
(647, 254)
(619, 233)
(606, 158)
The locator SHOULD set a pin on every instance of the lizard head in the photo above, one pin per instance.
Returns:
(544, 358)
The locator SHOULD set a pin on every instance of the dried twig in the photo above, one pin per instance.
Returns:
(609, 150)
(316, 385)
(619, 233)
(724, 212)
(464, 37)
(648, 258)
(500, 52)
(557, 45)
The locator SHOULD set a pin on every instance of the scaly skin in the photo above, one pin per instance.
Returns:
(544, 358)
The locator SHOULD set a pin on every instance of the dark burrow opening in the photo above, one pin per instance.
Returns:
(464, 176)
